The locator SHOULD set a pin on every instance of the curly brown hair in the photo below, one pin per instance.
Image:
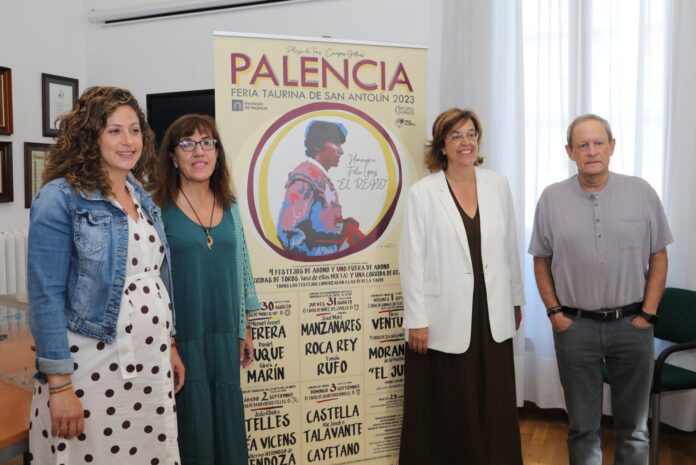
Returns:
(165, 183)
(435, 159)
(76, 155)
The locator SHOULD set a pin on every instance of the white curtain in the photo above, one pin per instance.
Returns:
(679, 408)
(528, 67)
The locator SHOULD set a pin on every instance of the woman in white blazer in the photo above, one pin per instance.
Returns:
(462, 288)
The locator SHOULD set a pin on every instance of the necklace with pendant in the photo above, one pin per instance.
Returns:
(206, 231)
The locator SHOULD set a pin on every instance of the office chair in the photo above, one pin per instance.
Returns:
(676, 324)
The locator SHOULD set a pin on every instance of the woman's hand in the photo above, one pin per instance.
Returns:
(246, 350)
(518, 317)
(418, 339)
(67, 415)
(178, 370)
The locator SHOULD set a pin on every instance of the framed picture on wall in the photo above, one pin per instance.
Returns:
(5, 101)
(58, 94)
(34, 159)
(6, 193)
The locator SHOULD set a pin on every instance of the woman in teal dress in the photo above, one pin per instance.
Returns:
(213, 290)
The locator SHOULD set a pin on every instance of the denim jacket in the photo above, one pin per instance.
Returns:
(78, 247)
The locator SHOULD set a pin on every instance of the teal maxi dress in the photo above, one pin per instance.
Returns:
(210, 287)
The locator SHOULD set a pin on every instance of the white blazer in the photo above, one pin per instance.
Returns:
(437, 278)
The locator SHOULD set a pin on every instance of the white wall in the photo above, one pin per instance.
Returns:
(37, 36)
(176, 54)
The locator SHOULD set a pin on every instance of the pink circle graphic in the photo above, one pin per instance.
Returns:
(381, 225)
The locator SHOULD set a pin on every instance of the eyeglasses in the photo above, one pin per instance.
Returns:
(190, 145)
(457, 136)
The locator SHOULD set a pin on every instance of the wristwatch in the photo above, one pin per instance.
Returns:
(650, 317)
(553, 310)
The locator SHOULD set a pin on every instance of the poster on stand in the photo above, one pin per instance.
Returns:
(323, 138)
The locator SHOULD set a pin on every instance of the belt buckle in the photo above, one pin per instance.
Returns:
(611, 314)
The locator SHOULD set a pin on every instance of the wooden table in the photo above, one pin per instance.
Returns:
(15, 402)
(14, 421)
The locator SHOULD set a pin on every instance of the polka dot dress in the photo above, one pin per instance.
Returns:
(126, 388)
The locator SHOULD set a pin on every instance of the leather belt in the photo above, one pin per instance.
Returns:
(605, 314)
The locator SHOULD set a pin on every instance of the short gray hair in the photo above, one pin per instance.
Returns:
(587, 117)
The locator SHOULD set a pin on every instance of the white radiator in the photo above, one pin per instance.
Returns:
(16, 358)
(13, 262)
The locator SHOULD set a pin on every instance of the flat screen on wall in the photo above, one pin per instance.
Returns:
(163, 109)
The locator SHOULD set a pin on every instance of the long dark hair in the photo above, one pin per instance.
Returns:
(165, 183)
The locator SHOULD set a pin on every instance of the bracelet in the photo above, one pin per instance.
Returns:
(61, 388)
(554, 310)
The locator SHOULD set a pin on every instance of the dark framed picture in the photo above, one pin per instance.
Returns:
(58, 94)
(5, 101)
(34, 160)
(6, 192)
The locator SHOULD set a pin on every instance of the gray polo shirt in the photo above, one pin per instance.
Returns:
(600, 242)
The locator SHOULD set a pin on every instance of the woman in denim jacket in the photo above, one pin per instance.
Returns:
(99, 285)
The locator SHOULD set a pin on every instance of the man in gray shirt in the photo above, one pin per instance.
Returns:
(600, 261)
